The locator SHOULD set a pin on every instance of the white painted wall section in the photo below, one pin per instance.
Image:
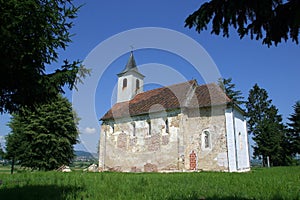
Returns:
(242, 147)
(230, 140)
(127, 93)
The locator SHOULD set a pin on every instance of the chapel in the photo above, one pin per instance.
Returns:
(177, 128)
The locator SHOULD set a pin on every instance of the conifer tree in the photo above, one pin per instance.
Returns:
(270, 20)
(267, 128)
(43, 139)
(1, 152)
(32, 34)
(294, 130)
(229, 88)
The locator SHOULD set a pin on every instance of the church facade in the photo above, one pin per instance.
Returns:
(182, 127)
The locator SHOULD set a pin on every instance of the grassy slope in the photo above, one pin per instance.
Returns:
(272, 184)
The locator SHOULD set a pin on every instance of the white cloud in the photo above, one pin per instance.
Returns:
(89, 130)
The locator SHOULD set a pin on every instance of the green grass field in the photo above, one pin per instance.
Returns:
(4, 169)
(273, 184)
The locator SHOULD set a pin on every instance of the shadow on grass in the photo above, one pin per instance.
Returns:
(39, 192)
(197, 197)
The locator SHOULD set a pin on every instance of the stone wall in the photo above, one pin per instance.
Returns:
(208, 120)
(129, 147)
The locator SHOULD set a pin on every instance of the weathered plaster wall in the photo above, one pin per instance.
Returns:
(214, 156)
(128, 146)
(127, 149)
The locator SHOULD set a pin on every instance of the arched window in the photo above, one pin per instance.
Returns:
(137, 83)
(206, 139)
(124, 82)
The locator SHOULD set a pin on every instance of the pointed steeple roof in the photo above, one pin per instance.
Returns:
(130, 66)
(131, 62)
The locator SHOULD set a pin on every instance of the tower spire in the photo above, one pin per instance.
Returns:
(130, 81)
(130, 66)
(131, 62)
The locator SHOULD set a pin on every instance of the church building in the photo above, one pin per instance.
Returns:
(176, 128)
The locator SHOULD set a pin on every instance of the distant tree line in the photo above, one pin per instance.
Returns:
(276, 143)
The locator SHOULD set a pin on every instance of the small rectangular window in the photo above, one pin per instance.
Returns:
(149, 127)
(167, 125)
(133, 129)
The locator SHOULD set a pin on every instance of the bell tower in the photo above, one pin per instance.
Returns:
(130, 81)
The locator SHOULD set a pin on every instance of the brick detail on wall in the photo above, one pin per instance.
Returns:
(135, 169)
(148, 167)
(165, 139)
(153, 142)
(132, 141)
(115, 169)
(122, 141)
(193, 161)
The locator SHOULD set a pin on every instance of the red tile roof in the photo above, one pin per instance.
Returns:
(188, 94)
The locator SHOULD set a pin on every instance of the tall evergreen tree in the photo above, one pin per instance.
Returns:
(229, 88)
(43, 139)
(270, 20)
(267, 128)
(32, 33)
(294, 130)
(1, 152)
(15, 142)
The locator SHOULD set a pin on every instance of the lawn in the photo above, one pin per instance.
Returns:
(4, 169)
(271, 184)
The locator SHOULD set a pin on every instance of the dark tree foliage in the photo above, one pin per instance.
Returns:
(32, 32)
(270, 20)
(294, 130)
(43, 139)
(1, 152)
(229, 88)
(267, 128)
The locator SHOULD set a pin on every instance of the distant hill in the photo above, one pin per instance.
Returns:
(83, 153)
(255, 162)
(86, 154)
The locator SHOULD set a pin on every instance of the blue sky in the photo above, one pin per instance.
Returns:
(247, 62)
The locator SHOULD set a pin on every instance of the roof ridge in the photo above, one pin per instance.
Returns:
(217, 85)
(204, 84)
(203, 96)
(168, 86)
(164, 87)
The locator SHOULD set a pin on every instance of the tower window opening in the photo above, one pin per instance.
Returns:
(137, 84)
(124, 82)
